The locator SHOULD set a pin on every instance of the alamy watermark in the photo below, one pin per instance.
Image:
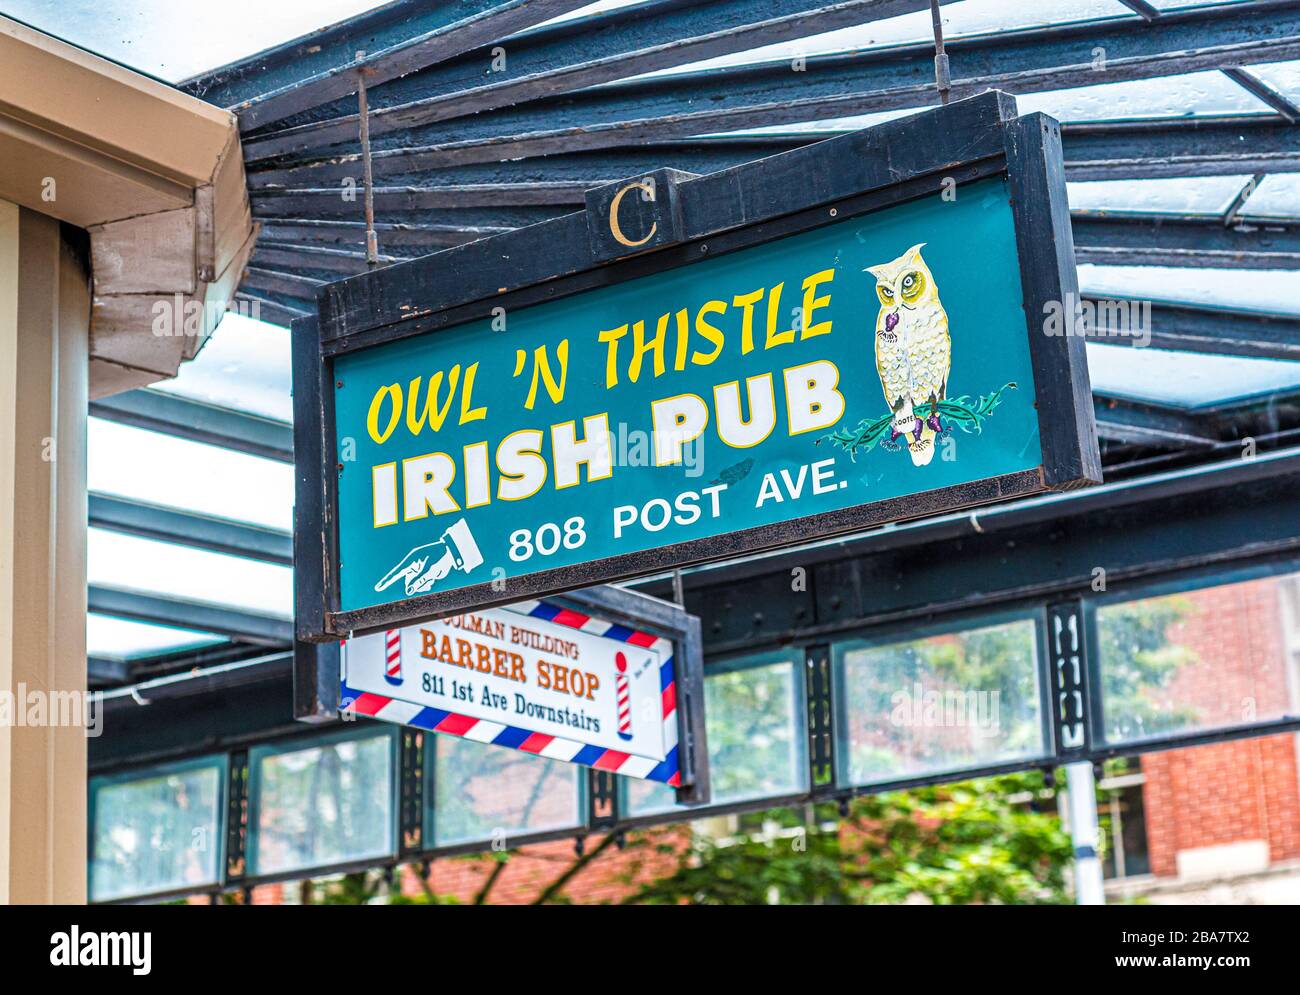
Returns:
(1099, 319)
(638, 447)
(181, 315)
(26, 707)
(946, 708)
(99, 948)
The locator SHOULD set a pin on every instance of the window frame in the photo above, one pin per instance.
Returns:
(218, 761)
(1165, 585)
(262, 751)
(796, 656)
(958, 622)
(429, 814)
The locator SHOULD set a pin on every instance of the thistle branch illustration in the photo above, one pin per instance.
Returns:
(872, 432)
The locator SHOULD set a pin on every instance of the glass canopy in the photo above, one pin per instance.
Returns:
(244, 368)
(122, 639)
(124, 562)
(1186, 379)
(176, 39)
(162, 469)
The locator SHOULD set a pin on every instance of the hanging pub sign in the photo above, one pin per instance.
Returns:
(872, 328)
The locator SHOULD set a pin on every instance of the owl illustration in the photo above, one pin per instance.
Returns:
(913, 350)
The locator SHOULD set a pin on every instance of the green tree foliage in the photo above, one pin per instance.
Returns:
(973, 842)
(1139, 662)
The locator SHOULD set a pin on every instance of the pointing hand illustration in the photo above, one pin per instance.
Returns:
(425, 565)
(422, 567)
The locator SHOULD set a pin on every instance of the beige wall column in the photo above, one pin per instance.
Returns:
(153, 180)
(44, 321)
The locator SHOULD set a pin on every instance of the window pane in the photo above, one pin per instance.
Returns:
(1185, 379)
(322, 805)
(1121, 818)
(1196, 660)
(158, 833)
(940, 703)
(1193, 94)
(1278, 196)
(244, 365)
(1171, 195)
(1250, 290)
(756, 732)
(123, 639)
(484, 792)
(959, 20)
(1281, 76)
(130, 563)
(129, 462)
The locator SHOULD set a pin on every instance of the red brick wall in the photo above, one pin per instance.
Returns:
(1223, 793)
(609, 878)
(1242, 790)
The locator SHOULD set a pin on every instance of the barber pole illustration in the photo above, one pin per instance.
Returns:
(393, 657)
(623, 692)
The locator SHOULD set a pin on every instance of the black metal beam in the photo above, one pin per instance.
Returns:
(1232, 213)
(630, 41)
(1142, 9)
(1172, 147)
(187, 528)
(705, 155)
(107, 670)
(420, 238)
(1252, 84)
(264, 307)
(314, 258)
(252, 627)
(1151, 148)
(1180, 240)
(397, 38)
(1193, 328)
(1135, 423)
(179, 416)
(1147, 463)
(1056, 57)
(325, 202)
(299, 288)
(201, 679)
(217, 706)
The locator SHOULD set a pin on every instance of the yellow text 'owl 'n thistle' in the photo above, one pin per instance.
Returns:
(517, 466)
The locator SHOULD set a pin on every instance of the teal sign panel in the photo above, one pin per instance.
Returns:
(875, 359)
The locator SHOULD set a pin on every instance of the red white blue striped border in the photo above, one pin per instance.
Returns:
(484, 731)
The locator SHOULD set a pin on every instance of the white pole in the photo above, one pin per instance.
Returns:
(1084, 832)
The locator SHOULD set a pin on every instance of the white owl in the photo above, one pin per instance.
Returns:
(913, 349)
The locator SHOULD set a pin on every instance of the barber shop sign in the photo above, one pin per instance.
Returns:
(539, 678)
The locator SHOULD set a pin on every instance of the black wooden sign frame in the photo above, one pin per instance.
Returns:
(693, 217)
